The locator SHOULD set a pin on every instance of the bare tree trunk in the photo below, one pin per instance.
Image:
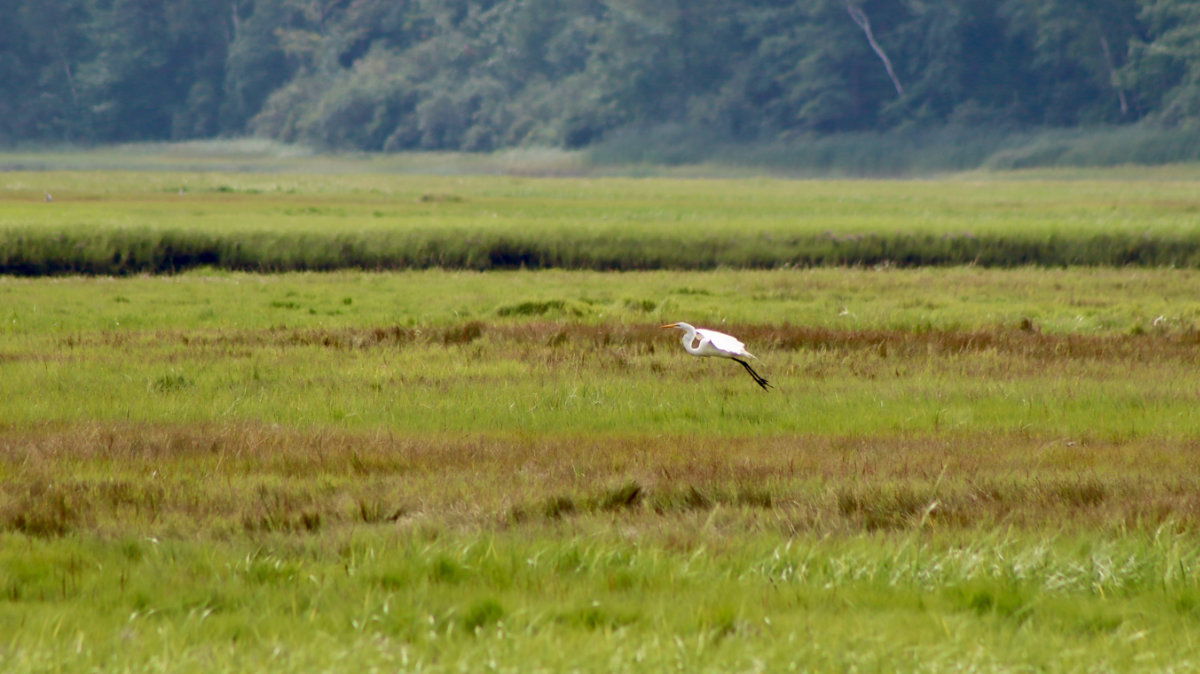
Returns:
(330, 8)
(864, 23)
(1112, 71)
(231, 30)
(66, 64)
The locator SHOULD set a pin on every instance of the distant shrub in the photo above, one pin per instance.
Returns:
(888, 153)
(905, 151)
(1104, 146)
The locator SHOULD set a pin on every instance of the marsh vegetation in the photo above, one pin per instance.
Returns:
(444, 469)
(121, 223)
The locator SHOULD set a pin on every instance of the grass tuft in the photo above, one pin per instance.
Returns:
(1083, 493)
(482, 613)
(44, 509)
(557, 507)
(170, 383)
(885, 506)
(463, 334)
(624, 497)
(446, 570)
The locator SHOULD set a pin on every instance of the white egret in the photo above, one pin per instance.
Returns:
(713, 344)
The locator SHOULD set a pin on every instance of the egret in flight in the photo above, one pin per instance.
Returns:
(710, 343)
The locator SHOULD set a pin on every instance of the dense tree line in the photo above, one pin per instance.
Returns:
(481, 74)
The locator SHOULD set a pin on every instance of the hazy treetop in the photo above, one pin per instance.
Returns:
(482, 74)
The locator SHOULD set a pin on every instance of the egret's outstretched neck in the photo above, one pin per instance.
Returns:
(689, 336)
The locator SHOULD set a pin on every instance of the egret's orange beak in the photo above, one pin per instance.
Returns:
(668, 326)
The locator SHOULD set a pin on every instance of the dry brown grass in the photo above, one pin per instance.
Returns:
(1023, 340)
(229, 479)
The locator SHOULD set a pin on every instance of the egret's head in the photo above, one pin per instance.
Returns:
(679, 326)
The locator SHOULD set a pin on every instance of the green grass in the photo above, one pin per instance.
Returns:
(123, 223)
(440, 470)
(557, 352)
(592, 601)
(443, 470)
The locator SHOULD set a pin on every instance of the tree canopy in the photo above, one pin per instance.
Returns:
(483, 74)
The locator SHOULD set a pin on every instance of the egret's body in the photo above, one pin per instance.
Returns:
(712, 344)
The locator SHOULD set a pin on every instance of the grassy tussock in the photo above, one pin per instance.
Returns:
(256, 479)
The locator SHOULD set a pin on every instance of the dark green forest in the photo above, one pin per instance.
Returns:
(477, 75)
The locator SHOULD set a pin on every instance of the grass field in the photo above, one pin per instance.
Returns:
(960, 468)
(117, 223)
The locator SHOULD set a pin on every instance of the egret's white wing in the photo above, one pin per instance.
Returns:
(723, 342)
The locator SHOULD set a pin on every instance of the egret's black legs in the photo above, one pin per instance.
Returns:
(757, 377)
